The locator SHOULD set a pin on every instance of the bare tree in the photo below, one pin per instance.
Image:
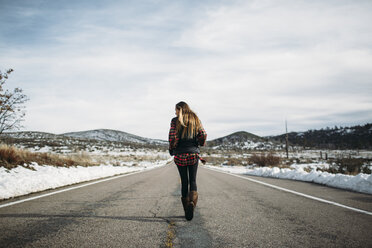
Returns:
(12, 109)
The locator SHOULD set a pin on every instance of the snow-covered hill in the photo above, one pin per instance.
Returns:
(355, 137)
(102, 139)
(113, 135)
(32, 135)
(243, 140)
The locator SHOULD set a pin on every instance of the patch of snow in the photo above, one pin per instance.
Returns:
(312, 166)
(360, 183)
(349, 130)
(45, 149)
(21, 181)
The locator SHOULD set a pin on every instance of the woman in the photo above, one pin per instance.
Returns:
(185, 136)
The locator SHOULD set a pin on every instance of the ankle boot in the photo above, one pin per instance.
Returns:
(187, 207)
(193, 197)
(185, 202)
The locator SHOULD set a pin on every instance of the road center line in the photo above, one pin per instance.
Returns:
(295, 192)
(72, 188)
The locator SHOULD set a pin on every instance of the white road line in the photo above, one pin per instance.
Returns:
(295, 192)
(72, 188)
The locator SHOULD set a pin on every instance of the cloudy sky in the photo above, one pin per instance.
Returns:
(241, 65)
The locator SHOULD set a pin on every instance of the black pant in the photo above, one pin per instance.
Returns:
(186, 179)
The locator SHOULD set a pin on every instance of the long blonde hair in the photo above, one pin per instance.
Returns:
(188, 123)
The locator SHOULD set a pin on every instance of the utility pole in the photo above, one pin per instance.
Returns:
(286, 138)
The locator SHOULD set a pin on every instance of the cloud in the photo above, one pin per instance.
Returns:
(280, 25)
(242, 65)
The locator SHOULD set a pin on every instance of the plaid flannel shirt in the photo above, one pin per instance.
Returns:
(185, 159)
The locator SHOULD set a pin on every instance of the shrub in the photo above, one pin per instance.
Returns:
(350, 165)
(263, 159)
(10, 156)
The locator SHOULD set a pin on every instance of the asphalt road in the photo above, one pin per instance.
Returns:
(144, 210)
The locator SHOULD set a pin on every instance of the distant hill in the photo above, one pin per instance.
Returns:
(32, 135)
(113, 135)
(243, 140)
(355, 137)
(79, 141)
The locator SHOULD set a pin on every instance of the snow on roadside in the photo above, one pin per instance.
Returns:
(21, 181)
(360, 183)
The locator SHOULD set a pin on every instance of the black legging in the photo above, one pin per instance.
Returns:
(185, 180)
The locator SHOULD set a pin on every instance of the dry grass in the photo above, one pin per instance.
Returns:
(258, 159)
(262, 159)
(225, 161)
(11, 157)
(120, 159)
